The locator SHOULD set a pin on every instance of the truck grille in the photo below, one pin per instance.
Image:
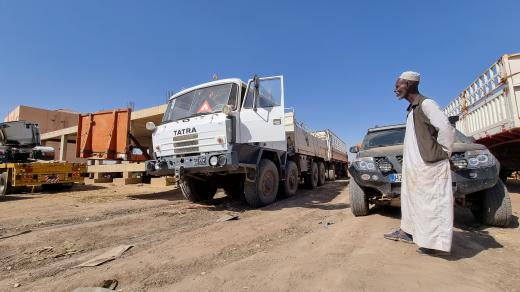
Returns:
(186, 144)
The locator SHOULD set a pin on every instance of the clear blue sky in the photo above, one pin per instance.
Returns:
(340, 60)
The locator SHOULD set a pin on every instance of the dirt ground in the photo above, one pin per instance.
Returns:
(310, 242)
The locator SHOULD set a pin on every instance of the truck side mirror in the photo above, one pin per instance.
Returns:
(453, 120)
(354, 149)
(256, 91)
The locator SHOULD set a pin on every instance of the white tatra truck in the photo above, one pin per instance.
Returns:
(239, 137)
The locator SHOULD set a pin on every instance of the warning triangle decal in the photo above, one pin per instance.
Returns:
(205, 108)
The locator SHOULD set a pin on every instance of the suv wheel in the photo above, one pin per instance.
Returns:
(493, 206)
(358, 199)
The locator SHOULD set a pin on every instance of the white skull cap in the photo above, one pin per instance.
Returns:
(411, 76)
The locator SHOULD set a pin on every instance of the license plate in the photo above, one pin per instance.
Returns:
(395, 177)
(201, 160)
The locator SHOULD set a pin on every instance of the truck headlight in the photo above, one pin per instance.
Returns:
(222, 160)
(365, 163)
(213, 161)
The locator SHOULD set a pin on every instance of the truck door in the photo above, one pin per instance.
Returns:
(262, 114)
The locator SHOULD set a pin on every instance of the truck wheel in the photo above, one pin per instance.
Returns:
(4, 183)
(493, 206)
(196, 191)
(235, 187)
(263, 191)
(311, 178)
(321, 172)
(290, 186)
(358, 200)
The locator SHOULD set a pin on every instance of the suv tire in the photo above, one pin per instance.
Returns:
(359, 204)
(493, 206)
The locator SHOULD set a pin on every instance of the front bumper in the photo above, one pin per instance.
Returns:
(465, 181)
(178, 166)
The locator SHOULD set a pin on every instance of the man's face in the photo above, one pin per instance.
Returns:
(401, 88)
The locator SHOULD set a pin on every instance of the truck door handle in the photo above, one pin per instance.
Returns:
(277, 121)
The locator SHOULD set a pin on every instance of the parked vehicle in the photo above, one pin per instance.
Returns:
(376, 176)
(237, 136)
(489, 111)
(24, 162)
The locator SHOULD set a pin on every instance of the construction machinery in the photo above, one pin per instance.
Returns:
(24, 162)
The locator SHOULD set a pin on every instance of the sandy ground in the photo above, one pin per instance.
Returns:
(179, 246)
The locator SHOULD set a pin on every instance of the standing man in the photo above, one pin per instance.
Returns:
(426, 189)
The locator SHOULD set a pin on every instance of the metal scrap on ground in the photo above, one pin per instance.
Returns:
(228, 217)
(107, 256)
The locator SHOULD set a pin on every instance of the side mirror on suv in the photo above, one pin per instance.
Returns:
(354, 149)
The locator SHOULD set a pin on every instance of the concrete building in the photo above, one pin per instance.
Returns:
(59, 128)
(49, 121)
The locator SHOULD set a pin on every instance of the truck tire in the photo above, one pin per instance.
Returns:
(321, 172)
(235, 187)
(4, 183)
(358, 200)
(196, 191)
(263, 190)
(311, 178)
(290, 185)
(493, 206)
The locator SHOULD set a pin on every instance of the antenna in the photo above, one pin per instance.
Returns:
(130, 105)
(215, 76)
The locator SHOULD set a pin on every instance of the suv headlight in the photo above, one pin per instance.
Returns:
(365, 163)
(475, 159)
(479, 158)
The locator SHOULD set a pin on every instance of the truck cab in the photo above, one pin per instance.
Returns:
(216, 135)
(20, 142)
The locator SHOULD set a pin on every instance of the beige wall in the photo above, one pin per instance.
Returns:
(48, 121)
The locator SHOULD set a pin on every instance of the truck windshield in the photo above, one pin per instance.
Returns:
(201, 101)
(384, 138)
(19, 133)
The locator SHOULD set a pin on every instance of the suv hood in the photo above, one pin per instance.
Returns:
(398, 149)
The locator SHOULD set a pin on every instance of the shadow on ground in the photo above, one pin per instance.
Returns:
(173, 195)
(469, 237)
(318, 198)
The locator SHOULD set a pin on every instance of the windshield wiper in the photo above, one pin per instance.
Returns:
(189, 117)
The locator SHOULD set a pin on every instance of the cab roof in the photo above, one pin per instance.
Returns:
(208, 84)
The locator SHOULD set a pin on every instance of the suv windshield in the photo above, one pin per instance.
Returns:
(384, 138)
(396, 137)
(201, 101)
(19, 133)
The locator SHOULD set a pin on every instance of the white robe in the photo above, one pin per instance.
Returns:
(426, 188)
